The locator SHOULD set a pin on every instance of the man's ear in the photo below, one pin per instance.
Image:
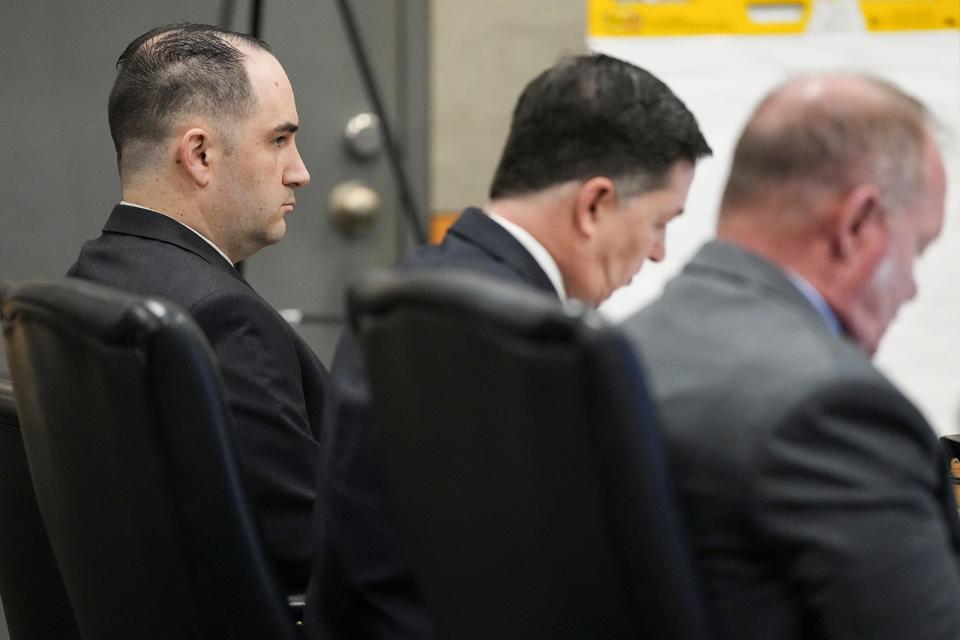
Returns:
(858, 226)
(593, 198)
(194, 154)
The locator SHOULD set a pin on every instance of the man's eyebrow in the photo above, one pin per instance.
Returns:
(286, 127)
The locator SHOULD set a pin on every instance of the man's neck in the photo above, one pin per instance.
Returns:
(804, 259)
(792, 249)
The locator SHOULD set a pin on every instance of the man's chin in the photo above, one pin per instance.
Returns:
(869, 341)
(277, 232)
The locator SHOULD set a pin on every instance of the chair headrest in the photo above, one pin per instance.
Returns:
(513, 307)
(113, 316)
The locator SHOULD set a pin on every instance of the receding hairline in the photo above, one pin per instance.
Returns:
(815, 103)
(137, 152)
(244, 44)
(793, 99)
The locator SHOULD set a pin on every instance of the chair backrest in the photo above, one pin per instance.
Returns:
(524, 462)
(127, 439)
(34, 599)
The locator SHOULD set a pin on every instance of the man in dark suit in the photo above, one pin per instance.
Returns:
(816, 502)
(204, 125)
(599, 159)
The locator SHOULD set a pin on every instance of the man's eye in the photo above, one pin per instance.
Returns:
(279, 140)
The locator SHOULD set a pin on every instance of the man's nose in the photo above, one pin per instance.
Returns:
(297, 175)
(659, 251)
(911, 288)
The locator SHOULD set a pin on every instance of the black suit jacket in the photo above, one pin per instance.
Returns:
(273, 382)
(813, 492)
(361, 587)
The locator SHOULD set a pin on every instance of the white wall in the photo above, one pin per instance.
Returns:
(721, 78)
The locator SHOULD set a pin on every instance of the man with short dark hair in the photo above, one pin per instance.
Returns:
(813, 492)
(599, 159)
(204, 124)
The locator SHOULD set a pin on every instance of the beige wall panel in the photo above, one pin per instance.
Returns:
(482, 54)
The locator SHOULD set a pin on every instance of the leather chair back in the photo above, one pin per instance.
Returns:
(128, 443)
(525, 463)
(34, 599)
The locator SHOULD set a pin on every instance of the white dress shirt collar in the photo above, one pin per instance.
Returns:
(536, 250)
(817, 300)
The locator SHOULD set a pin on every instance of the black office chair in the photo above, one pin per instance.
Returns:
(34, 599)
(128, 445)
(524, 462)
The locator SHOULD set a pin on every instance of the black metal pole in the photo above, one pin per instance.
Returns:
(407, 203)
(256, 17)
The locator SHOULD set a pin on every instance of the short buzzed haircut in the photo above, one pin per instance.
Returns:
(800, 149)
(173, 70)
(594, 115)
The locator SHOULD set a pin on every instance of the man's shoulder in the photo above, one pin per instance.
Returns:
(149, 266)
(219, 301)
(476, 243)
(744, 323)
(458, 254)
(724, 352)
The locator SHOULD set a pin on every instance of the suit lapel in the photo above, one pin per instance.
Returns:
(476, 228)
(134, 221)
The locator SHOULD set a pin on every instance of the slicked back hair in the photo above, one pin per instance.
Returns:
(174, 70)
(800, 149)
(594, 115)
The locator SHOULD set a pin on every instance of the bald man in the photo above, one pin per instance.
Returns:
(812, 487)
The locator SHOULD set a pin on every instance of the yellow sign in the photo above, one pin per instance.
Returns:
(738, 17)
(901, 15)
